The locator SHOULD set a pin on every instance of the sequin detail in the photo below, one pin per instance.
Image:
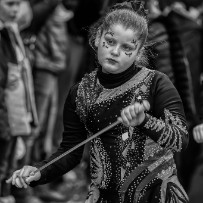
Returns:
(88, 92)
(125, 158)
(136, 81)
(172, 130)
(100, 165)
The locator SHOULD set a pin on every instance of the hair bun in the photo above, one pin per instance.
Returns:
(137, 6)
(124, 5)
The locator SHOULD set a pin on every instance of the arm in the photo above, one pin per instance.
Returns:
(166, 125)
(165, 121)
(74, 133)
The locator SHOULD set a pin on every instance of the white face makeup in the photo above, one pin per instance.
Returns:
(9, 10)
(117, 49)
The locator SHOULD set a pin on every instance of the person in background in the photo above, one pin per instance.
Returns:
(196, 182)
(17, 104)
(172, 59)
(184, 18)
(133, 161)
(49, 30)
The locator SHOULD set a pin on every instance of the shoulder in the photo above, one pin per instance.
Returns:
(89, 77)
(158, 80)
(161, 84)
(160, 77)
(88, 82)
(79, 88)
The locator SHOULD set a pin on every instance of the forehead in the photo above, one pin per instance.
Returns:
(121, 32)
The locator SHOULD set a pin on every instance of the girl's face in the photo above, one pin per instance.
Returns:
(9, 10)
(117, 49)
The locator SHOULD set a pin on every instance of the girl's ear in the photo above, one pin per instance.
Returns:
(139, 47)
(98, 36)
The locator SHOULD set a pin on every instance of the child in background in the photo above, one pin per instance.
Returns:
(17, 104)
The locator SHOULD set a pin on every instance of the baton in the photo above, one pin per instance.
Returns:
(76, 147)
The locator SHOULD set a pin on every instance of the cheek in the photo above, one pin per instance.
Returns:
(101, 53)
(129, 59)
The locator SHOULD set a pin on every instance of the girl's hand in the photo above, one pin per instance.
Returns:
(22, 178)
(134, 115)
(198, 133)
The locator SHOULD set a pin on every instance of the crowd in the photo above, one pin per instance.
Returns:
(45, 50)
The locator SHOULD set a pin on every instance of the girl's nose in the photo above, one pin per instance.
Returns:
(116, 51)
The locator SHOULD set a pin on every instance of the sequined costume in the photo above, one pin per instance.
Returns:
(128, 164)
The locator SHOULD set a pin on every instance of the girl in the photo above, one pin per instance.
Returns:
(132, 162)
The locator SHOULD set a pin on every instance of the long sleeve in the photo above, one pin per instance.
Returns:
(166, 123)
(74, 133)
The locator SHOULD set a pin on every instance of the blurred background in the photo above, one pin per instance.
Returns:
(55, 37)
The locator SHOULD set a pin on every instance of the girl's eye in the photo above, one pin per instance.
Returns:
(110, 41)
(127, 48)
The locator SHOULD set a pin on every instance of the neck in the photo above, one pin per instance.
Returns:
(109, 80)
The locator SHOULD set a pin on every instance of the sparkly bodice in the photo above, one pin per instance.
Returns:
(128, 165)
(122, 158)
(121, 148)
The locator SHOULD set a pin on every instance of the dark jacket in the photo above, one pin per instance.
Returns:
(172, 61)
(190, 35)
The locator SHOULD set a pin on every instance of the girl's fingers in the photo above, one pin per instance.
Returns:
(26, 172)
(146, 105)
(21, 178)
(9, 180)
(137, 107)
(198, 135)
(124, 118)
(33, 177)
(18, 183)
(127, 113)
(14, 176)
(132, 111)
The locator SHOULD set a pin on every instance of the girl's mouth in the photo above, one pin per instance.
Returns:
(112, 61)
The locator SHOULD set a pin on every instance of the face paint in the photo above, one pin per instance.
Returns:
(128, 54)
(104, 45)
(134, 41)
(110, 33)
(117, 53)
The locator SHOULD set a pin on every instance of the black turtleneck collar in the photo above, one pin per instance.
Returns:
(109, 80)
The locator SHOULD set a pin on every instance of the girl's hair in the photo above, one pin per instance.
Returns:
(131, 14)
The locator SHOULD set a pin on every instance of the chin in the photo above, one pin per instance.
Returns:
(110, 69)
